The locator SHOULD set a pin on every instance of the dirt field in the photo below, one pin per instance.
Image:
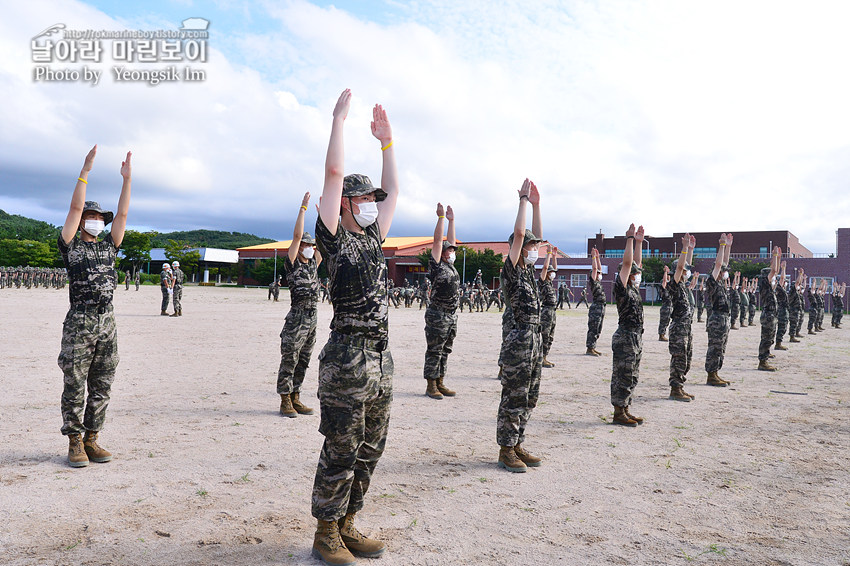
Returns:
(207, 472)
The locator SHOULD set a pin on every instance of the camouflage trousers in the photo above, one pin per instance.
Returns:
(88, 358)
(700, 308)
(664, 322)
(177, 297)
(627, 347)
(681, 348)
(781, 323)
(745, 309)
(793, 322)
(296, 346)
(355, 394)
(595, 316)
(813, 318)
(734, 309)
(820, 316)
(836, 315)
(166, 298)
(768, 333)
(752, 312)
(522, 361)
(440, 331)
(548, 319)
(717, 327)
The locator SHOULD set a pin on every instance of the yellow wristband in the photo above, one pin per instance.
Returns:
(684, 251)
(441, 217)
(387, 146)
(304, 207)
(83, 180)
(722, 244)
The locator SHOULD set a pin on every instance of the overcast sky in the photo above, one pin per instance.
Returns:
(677, 115)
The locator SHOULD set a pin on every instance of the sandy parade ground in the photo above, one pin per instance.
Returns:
(207, 472)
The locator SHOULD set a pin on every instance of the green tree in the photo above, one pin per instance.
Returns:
(26, 253)
(653, 269)
(136, 247)
(263, 270)
(185, 254)
(489, 262)
(748, 268)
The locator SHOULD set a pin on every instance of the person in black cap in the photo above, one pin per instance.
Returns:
(89, 351)
(355, 366)
(441, 315)
(299, 331)
(521, 357)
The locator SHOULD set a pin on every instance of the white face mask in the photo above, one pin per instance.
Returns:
(688, 274)
(452, 257)
(531, 257)
(637, 280)
(367, 215)
(308, 252)
(94, 227)
(725, 275)
(552, 276)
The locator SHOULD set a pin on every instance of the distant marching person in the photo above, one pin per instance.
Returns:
(596, 312)
(767, 295)
(89, 353)
(838, 304)
(744, 296)
(781, 309)
(735, 301)
(752, 295)
(548, 303)
(666, 306)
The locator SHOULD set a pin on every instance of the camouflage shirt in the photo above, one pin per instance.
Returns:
(445, 284)
(358, 280)
(164, 278)
(597, 291)
(766, 294)
(629, 306)
(546, 290)
(521, 291)
(781, 297)
(793, 297)
(303, 282)
(715, 294)
(682, 309)
(91, 270)
(179, 277)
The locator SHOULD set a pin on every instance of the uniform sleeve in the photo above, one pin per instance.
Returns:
(509, 271)
(328, 243)
(108, 240)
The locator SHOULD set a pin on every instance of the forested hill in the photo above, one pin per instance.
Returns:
(16, 227)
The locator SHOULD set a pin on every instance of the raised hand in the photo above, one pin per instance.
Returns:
(630, 233)
(450, 214)
(594, 253)
(639, 234)
(533, 195)
(343, 104)
(90, 158)
(548, 249)
(729, 239)
(525, 190)
(693, 242)
(782, 265)
(440, 211)
(125, 165)
(724, 239)
(666, 269)
(686, 242)
(381, 128)
(306, 200)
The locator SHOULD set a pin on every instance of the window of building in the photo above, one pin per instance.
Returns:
(614, 253)
(578, 279)
(705, 252)
(762, 251)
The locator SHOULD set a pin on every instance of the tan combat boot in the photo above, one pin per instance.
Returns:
(93, 451)
(734, 326)
(794, 339)
(76, 453)
(286, 408)
(779, 346)
(509, 460)
(714, 379)
(811, 331)
(621, 417)
(526, 458)
(358, 543)
(662, 338)
(547, 363)
(443, 389)
(678, 394)
(328, 546)
(638, 420)
(765, 366)
(163, 313)
(591, 352)
(299, 407)
(432, 391)
(598, 353)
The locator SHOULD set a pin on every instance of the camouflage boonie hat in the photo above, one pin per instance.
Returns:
(358, 185)
(307, 238)
(447, 245)
(635, 268)
(529, 237)
(92, 205)
(552, 268)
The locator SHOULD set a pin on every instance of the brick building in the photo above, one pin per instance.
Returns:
(747, 244)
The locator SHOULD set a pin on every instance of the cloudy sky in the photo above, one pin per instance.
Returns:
(677, 115)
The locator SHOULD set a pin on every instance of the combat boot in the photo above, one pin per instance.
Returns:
(328, 546)
(163, 313)
(621, 417)
(765, 366)
(547, 363)
(678, 394)
(93, 451)
(299, 407)
(526, 458)
(432, 391)
(794, 339)
(509, 460)
(591, 352)
(173, 315)
(734, 326)
(714, 379)
(76, 453)
(357, 542)
(286, 408)
(638, 420)
(597, 352)
(180, 312)
(779, 346)
(443, 389)
(811, 331)
(662, 338)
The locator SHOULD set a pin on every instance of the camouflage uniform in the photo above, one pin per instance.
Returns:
(89, 352)
(745, 307)
(821, 305)
(626, 343)
(681, 344)
(583, 299)
(520, 356)
(298, 336)
(752, 307)
(734, 305)
(177, 293)
(717, 323)
(781, 312)
(440, 317)
(164, 284)
(355, 371)
(548, 304)
(768, 314)
(666, 310)
(837, 308)
(795, 310)
(595, 314)
(137, 280)
(813, 308)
